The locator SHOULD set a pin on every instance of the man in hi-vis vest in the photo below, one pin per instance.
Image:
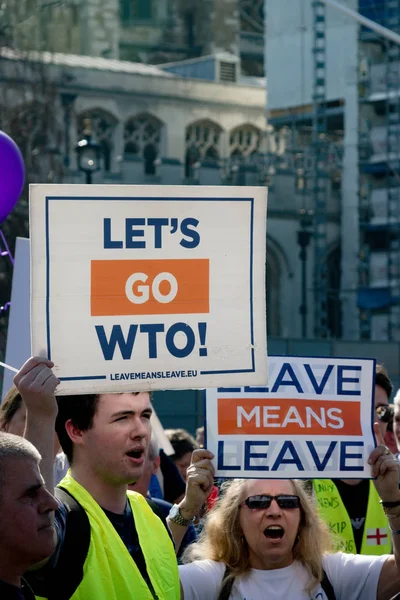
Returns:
(351, 507)
(128, 553)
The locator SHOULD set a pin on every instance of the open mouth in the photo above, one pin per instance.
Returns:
(274, 532)
(136, 454)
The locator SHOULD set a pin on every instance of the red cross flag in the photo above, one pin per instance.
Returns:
(377, 537)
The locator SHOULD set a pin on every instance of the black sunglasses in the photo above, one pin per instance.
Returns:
(264, 501)
(385, 413)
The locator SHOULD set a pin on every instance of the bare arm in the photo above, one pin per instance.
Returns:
(386, 470)
(199, 483)
(36, 383)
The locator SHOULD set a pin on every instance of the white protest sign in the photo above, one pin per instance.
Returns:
(313, 420)
(149, 287)
(160, 435)
(18, 348)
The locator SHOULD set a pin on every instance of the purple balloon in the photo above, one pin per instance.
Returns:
(12, 175)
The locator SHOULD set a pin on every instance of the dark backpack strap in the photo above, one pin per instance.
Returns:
(226, 585)
(61, 576)
(328, 587)
(68, 573)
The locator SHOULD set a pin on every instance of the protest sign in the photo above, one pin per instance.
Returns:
(313, 420)
(18, 348)
(149, 287)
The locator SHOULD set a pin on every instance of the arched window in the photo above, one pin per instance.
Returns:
(37, 136)
(102, 127)
(203, 140)
(142, 138)
(244, 140)
(25, 129)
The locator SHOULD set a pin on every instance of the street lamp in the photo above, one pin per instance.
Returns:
(303, 239)
(88, 152)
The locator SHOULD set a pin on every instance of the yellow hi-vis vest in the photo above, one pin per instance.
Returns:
(110, 573)
(376, 537)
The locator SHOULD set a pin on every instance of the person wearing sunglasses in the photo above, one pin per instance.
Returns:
(351, 507)
(264, 539)
(390, 438)
(396, 420)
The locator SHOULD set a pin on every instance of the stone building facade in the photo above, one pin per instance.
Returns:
(162, 128)
(149, 31)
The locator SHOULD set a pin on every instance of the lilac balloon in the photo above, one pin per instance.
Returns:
(12, 175)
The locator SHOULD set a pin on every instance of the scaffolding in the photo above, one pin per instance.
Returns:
(379, 193)
(320, 175)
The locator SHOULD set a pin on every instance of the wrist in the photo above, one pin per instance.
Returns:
(392, 513)
(392, 501)
(391, 507)
(43, 415)
(178, 517)
(188, 512)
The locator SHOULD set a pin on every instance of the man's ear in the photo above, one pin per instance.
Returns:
(74, 433)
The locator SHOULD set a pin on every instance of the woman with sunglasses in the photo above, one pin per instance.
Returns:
(264, 540)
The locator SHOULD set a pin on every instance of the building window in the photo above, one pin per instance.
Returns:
(102, 126)
(142, 137)
(203, 140)
(136, 10)
(244, 141)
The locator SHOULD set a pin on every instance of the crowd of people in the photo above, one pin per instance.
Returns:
(90, 508)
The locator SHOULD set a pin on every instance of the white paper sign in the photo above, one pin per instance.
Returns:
(313, 421)
(149, 287)
(18, 348)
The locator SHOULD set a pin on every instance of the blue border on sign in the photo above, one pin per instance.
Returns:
(289, 356)
(149, 198)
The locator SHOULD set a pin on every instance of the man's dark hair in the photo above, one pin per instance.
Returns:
(11, 404)
(81, 410)
(382, 379)
(181, 441)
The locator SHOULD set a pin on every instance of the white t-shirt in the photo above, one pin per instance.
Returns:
(353, 577)
(61, 467)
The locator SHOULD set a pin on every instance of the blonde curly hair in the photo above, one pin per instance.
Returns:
(222, 538)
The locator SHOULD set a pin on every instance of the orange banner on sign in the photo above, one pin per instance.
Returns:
(285, 416)
(149, 287)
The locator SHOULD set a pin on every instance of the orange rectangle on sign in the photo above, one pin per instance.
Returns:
(285, 416)
(149, 287)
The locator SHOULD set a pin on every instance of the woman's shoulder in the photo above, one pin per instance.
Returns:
(204, 566)
(333, 563)
(339, 559)
(201, 579)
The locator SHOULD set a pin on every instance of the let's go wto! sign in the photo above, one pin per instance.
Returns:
(137, 288)
(314, 420)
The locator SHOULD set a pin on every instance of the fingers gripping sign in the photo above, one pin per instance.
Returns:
(385, 469)
(199, 483)
(36, 383)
